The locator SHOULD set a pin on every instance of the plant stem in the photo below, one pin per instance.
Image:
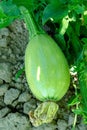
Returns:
(32, 26)
(77, 106)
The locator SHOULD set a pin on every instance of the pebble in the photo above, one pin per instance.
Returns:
(9, 51)
(19, 86)
(2, 104)
(24, 97)
(62, 124)
(50, 126)
(82, 126)
(3, 89)
(71, 119)
(29, 106)
(18, 80)
(4, 111)
(4, 32)
(11, 95)
(14, 103)
(19, 107)
(4, 57)
(1, 81)
(3, 42)
(16, 27)
(15, 121)
(5, 72)
(12, 57)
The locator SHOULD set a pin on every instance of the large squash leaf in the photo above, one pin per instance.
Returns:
(54, 11)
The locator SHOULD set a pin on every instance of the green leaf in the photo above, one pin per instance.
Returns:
(61, 41)
(78, 111)
(54, 12)
(19, 73)
(29, 4)
(77, 6)
(74, 100)
(79, 9)
(5, 22)
(2, 15)
(58, 2)
(74, 41)
(84, 40)
(9, 8)
(84, 18)
(8, 13)
(77, 28)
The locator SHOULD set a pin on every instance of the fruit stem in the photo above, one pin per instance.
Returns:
(31, 24)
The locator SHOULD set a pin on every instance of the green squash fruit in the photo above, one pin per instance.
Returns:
(46, 68)
(47, 71)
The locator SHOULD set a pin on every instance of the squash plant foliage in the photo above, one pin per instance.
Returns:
(66, 22)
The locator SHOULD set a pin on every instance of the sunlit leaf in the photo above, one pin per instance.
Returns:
(54, 12)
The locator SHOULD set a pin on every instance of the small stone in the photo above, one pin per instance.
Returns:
(70, 120)
(5, 72)
(62, 125)
(4, 57)
(28, 106)
(9, 51)
(16, 27)
(3, 89)
(12, 58)
(24, 80)
(12, 84)
(3, 42)
(82, 126)
(18, 80)
(2, 104)
(4, 32)
(4, 111)
(1, 81)
(50, 126)
(11, 95)
(14, 103)
(20, 86)
(66, 116)
(15, 121)
(19, 107)
(24, 97)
